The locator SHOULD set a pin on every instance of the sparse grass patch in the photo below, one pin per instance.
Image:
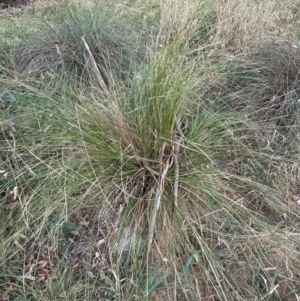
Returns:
(13, 32)
(265, 87)
(243, 26)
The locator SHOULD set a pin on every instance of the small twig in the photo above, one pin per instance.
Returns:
(175, 154)
(158, 196)
(96, 69)
(161, 157)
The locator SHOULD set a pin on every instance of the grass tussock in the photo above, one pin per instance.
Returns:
(175, 179)
(116, 44)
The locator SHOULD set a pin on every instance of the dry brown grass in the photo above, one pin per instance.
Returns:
(243, 26)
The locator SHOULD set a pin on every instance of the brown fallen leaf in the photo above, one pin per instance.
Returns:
(46, 271)
(100, 242)
(19, 245)
(47, 259)
(40, 279)
(42, 264)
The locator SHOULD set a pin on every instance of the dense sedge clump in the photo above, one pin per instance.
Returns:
(161, 179)
(58, 52)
